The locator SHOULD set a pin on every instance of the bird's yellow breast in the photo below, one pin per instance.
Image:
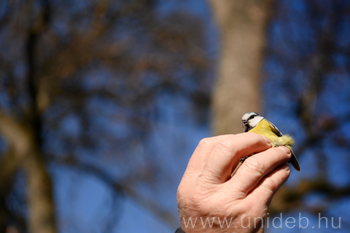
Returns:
(264, 128)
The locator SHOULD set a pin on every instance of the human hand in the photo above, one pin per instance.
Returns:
(207, 194)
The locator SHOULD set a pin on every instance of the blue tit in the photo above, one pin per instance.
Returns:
(254, 122)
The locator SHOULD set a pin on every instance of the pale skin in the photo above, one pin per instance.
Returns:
(208, 190)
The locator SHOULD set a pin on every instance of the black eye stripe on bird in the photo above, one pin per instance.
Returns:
(251, 117)
(254, 122)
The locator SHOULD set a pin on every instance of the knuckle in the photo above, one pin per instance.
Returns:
(205, 142)
(282, 153)
(273, 182)
(270, 185)
(227, 145)
(253, 166)
(210, 177)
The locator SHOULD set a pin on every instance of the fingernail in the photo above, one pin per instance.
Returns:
(286, 167)
(285, 149)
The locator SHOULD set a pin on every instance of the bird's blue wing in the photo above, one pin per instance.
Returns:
(275, 129)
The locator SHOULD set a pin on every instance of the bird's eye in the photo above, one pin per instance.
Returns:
(251, 117)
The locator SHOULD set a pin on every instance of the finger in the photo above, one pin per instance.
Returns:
(199, 156)
(264, 192)
(227, 153)
(256, 167)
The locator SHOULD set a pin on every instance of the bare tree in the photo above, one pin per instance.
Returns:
(100, 66)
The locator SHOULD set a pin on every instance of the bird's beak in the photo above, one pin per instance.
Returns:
(245, 126)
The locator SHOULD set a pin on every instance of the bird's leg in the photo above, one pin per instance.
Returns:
(239, 164)
(243, 159)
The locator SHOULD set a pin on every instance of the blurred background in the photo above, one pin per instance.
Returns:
(103, 102)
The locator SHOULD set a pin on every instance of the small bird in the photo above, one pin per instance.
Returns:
(254, 122)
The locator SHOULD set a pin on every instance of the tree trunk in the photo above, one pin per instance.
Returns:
(41, 217)
(242, 29)
(40, 197)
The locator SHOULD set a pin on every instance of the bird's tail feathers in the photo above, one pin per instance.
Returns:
(294, 161)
